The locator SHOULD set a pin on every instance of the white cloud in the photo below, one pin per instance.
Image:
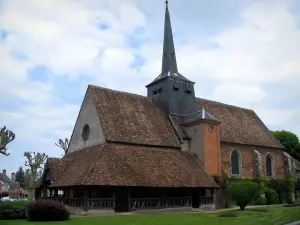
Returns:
(237, 94)
(62, 35)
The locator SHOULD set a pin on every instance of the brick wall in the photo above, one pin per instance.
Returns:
(248, 166)
(15, 190)
(212, 153)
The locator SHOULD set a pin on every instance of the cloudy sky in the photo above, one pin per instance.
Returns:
(241, 52)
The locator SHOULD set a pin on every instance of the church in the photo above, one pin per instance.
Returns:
(167, 149)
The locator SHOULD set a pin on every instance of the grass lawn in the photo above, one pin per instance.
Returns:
(275, 215)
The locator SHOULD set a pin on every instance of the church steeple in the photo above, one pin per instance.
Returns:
(170, 87)
(169, 57)
(169, 63)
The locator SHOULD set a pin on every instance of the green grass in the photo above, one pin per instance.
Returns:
(275, 215)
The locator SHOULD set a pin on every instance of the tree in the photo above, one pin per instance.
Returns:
(39, 174)
(6, 136)
(27, 179)
(34, 162)
(244, 192)
(289, 140)
(63, 144)
(20, 176)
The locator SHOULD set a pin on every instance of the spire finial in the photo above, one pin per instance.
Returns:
(166, 2)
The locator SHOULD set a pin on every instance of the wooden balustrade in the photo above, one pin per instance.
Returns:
(92, 203)
(136, 203)
(205, 200)
(156, 203)
(101, 203)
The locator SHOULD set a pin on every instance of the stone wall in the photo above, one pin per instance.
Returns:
(249, 160)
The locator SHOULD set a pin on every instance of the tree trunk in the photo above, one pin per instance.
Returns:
(31, 194)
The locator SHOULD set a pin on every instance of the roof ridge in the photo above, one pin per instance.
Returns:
(93, 164)
(142, 96)
(203, 167)
(225, 104)
(117, 91)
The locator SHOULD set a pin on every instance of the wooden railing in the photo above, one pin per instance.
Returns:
(92, 203)
(205, 200)
(136, 203)
(101, 203)
(156, 203)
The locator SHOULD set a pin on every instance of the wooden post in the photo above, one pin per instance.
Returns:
(85, 201)
(129, 200)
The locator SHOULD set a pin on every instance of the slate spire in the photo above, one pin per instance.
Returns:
(169, 57)
(169, 64)
(175, 93)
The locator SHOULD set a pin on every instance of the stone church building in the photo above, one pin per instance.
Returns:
(166, 149)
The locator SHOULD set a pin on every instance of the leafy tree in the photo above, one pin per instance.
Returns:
(20, 177)
(63, 144)
(6, 136)
(244, 192)
(289, 140)
(34, 162)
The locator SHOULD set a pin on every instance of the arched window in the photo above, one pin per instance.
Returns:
(236, 162)
(269, 165)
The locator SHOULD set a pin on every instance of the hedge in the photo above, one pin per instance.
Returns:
(13, 210)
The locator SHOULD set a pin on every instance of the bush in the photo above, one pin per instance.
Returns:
(12, 210)
(285, 188)
(272, 196)
(47, 210)
(228, 204)
(261, 200)
(244, 192)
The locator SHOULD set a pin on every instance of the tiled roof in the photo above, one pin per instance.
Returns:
(56, 166)
(240, 125)
(132, 118)
(119, 165)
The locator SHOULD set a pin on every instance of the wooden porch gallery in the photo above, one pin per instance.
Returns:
(126, 199)
(111, 176)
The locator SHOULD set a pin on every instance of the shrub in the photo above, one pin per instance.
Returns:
(12, 210)
(261, 200)
(47, 210)
(228, 204)
(244, 192)
(285, 188)
(272, 196)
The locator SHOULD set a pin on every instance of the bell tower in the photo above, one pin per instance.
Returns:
(171, 88)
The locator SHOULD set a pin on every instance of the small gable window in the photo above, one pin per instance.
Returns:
(269, 165)
(236, 163)
(85, 132)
